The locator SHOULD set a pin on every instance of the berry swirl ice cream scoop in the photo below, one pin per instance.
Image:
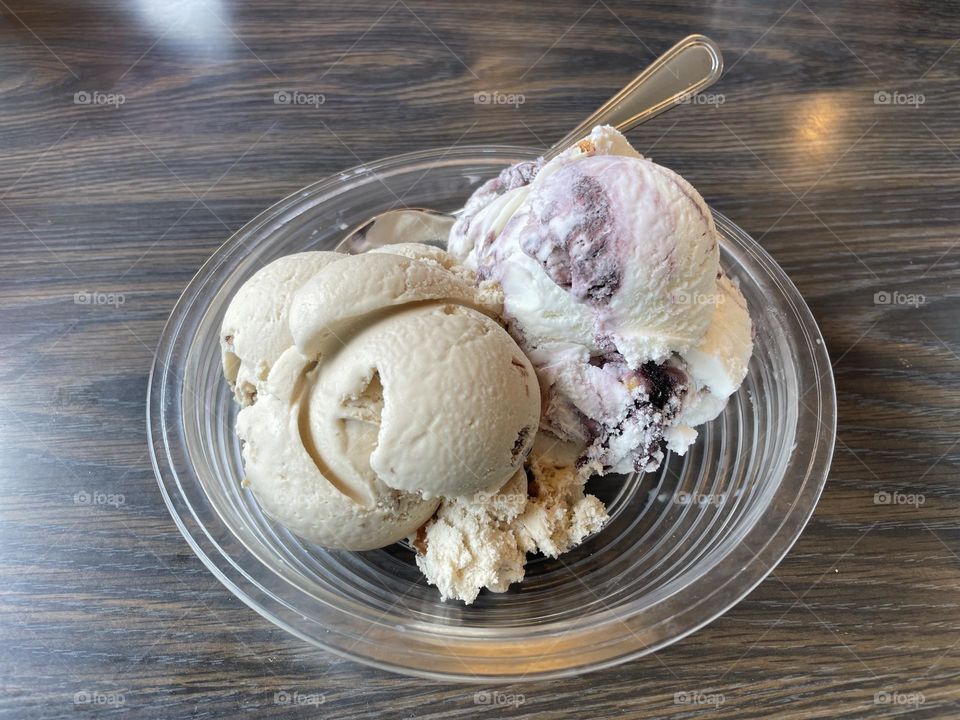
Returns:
(609, 265)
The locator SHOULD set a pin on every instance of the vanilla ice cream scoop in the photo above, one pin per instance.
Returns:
(397, 388)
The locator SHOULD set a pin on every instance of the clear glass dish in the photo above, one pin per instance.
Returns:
(683, 544)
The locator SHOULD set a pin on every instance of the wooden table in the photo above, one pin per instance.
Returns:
(137, 136)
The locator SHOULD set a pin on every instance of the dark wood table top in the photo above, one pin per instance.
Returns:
(137, 136)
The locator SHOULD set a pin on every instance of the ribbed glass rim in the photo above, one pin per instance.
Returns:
(613, 636)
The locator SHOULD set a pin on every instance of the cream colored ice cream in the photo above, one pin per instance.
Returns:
(331, 304)
(296, 488)
(471, 544)
(255, 329)
(483, 541)
(458, 403)
(397, 387)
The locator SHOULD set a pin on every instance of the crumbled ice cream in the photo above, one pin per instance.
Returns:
(471, 543)
(483, 541)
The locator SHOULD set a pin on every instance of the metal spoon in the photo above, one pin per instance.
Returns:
(690, 66)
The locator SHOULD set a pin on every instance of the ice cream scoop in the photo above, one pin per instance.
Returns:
(609, 266)
(396, 388)
(453, 402)
(602, 251)
(255, 329)
(294, 486)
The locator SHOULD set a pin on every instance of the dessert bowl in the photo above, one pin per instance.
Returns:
(683, 544)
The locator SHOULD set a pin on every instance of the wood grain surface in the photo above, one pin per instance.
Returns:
(833, 138)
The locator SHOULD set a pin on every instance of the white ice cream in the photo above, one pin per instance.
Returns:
(609, 266)
(603, 247)
(718, 364)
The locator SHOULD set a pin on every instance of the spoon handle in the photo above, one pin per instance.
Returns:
(692, 65)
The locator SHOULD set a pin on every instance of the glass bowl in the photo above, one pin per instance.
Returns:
(683, 544)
